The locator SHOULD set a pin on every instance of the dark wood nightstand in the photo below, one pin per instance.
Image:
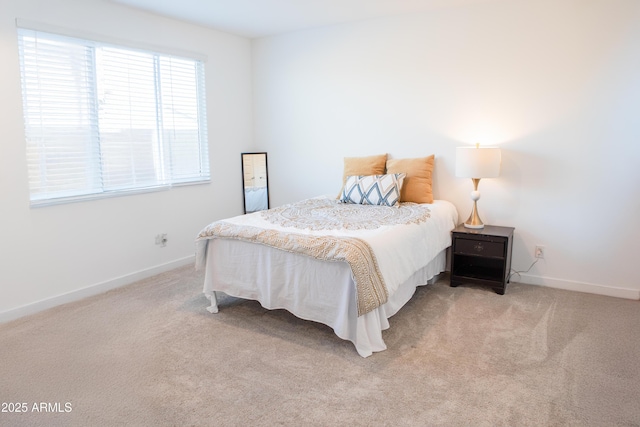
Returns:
(481, 256)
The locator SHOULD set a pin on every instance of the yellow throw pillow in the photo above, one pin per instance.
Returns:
(370, 165)
(417, 185)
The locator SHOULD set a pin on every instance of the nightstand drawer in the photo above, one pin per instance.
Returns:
(479, 247)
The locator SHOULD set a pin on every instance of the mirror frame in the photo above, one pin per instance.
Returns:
(266, 165)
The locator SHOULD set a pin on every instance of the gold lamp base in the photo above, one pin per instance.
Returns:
(474, 220)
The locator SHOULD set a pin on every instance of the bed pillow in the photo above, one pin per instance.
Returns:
(381, 190)
(370, 165)
(417, 187)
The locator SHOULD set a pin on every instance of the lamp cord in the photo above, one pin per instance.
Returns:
(518, 272)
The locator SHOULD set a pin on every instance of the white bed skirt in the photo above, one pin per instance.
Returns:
(311, 289)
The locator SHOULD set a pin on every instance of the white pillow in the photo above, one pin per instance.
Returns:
(381, 190)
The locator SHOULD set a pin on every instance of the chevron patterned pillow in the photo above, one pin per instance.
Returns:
(381, 190)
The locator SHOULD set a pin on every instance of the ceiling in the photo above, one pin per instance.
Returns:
(259, 18)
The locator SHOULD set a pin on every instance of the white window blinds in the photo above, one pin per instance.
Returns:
(103, 119)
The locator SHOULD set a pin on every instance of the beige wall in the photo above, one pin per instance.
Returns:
(51, 251)
(555, 83)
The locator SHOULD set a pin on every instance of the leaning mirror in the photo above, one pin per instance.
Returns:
(255, 182)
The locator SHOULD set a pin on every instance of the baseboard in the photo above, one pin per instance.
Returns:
(589, 288)
(92, 290)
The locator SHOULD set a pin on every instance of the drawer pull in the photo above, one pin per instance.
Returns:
(478, 247)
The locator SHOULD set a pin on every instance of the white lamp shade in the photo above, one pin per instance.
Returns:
(480, 162)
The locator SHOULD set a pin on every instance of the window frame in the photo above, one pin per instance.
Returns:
(201, 152)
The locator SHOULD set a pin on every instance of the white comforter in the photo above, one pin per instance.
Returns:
(407, 255)
(400, 249)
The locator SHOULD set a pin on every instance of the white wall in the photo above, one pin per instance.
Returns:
(555, 83)
(52, 251)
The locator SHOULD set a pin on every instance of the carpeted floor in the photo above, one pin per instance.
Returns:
(150, 354)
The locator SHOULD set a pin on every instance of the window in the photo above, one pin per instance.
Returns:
(103, 119)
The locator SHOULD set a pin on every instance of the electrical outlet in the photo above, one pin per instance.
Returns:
(161, 239)
(539, 252)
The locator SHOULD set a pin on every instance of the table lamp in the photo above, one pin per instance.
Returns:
(477, 163)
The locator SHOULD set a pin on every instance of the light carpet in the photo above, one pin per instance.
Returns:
(149, 354)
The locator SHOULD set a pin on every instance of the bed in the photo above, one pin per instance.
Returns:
(348, 266)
